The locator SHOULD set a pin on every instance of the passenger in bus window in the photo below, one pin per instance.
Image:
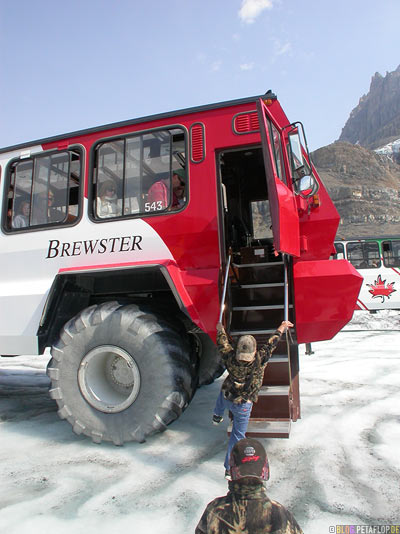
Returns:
(107, 201)
(43, 210)
(179, 186)
(22, 219)
(9, 217)
(158, 194)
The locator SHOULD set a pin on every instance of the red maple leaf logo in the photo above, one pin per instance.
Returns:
(380, 289)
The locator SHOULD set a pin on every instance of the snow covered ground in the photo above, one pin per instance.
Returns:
(341, 464)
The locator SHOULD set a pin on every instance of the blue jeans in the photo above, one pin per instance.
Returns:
(241, 415)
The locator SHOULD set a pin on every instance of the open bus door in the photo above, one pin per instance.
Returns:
(282, 204)
(317, 281)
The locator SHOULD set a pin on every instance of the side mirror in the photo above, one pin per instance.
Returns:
(306, 187)
(305, 184)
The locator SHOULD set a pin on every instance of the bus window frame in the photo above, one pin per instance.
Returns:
(7, 228)
(342, 251)
(365, 259)
(384, 256)
(92, 184)
(276, 134)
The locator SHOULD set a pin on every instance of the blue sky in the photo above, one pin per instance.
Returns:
(69, 65)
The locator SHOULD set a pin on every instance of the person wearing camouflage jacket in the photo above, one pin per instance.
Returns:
(245, 365)
(246, 509)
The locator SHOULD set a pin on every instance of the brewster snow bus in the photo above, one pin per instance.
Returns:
(122, 245)
(378, 262)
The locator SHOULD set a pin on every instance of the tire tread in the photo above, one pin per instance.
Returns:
(154, 331)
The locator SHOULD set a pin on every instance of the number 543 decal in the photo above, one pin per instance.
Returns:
(153, 206)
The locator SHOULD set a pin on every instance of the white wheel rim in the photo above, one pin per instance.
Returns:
(109, 379)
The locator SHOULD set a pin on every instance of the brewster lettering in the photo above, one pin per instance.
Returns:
(94, 246)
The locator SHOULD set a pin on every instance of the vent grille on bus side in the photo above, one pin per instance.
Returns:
(197, 146)
(246, 122)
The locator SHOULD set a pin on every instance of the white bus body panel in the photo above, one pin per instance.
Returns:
(380, 289)
(31, 260)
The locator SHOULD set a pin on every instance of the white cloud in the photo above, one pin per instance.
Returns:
(247, 66)
(281, 49)
(216, 65)
(201, 57)
(251, 9)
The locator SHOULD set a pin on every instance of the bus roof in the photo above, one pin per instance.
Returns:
(146, 118)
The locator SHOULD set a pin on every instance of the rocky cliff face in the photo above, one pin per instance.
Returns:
(376, 120)
(364, 184)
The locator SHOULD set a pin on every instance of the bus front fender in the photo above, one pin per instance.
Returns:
(325, 296)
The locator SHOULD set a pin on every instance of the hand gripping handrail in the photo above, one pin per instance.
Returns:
(224, 290)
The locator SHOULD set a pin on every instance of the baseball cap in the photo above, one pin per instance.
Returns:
(249, 459)
(246, 348)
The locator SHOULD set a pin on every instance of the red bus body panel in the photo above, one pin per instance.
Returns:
(318, 227)
(325, 292)
(324, 297)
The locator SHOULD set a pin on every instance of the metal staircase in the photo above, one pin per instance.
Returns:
(260, 301)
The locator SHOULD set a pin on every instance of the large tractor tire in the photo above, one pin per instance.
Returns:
(120, 373)
(211, 366)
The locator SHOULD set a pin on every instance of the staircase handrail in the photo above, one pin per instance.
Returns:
(286, 290)
(286, 318)
(224, 290)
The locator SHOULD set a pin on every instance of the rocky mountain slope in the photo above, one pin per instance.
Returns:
(364, 186)
(365, 183)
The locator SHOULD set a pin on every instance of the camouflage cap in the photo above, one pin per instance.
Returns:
(249, 459)
(246, 348)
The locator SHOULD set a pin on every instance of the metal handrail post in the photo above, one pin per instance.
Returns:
(224, 290)
(288, 335)
(286, 290)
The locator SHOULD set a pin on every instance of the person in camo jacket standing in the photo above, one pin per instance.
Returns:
(247, 509)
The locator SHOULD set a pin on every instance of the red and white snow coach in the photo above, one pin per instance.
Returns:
(121, 265)
(377, 259)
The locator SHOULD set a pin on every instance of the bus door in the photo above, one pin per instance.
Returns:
(285, 219)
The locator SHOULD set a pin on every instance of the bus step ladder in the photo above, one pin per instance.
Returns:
(266, 428)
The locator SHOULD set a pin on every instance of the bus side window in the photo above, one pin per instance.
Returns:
(43, 190)
(371, 255)
(391, 253)
(19, 195)
(74, 183)
(355, 254)
(128, 172)
(277, 151)
(339, 255)
(364, 255)
(109, 179)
